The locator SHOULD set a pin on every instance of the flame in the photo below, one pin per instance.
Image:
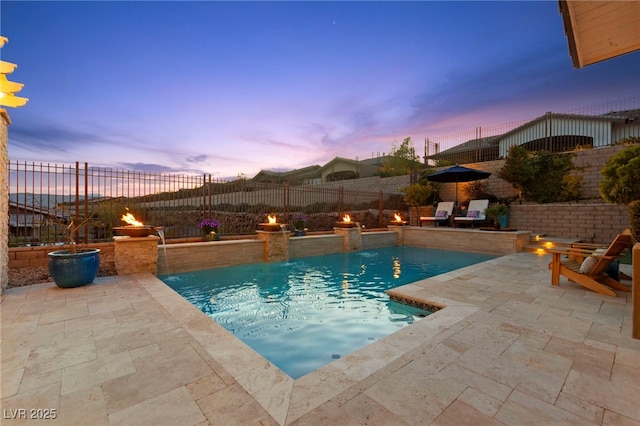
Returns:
(272, 219)
(548, 244)
(346, 218)
(131, 220)
(397, 217)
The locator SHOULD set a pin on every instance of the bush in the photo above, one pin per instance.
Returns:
(479, 190)
(621, 177)
(541, 176)
(634, 219)
(417, 194)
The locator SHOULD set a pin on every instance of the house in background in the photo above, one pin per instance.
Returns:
(28, 223)
(343, 168)
(566, 132)
(553, 132)
(338, 168)
(293, 177)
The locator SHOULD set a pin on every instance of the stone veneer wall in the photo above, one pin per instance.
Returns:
(314, 245)
(28, 257)
(195, 256)
(134, 255)
(4, 200)
(371, 240)
(176, 258)
(470, 240)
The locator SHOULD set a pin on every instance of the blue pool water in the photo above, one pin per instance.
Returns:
(305, 313)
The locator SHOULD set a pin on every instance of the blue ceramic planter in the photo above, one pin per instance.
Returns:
(70, 270)
(503, 221)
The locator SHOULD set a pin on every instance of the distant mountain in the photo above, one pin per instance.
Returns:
(45, 201)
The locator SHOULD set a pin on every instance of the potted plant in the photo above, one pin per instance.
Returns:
(73, 267)
(299, 223)
(499, 212)
(210, 229)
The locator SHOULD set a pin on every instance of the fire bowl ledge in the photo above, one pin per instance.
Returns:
(134, 231)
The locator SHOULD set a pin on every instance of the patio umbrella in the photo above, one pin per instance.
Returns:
(458, 174)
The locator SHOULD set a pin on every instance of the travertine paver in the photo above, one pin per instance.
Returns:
(508, 349)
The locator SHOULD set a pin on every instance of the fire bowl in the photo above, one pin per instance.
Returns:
(398, 222)
(270, 227)
(346, 224)
(134, 231)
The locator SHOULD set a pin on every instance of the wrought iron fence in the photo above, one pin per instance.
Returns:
(602, 125)
(43, 198)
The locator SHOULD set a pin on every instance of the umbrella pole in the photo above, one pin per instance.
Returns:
(455, 206)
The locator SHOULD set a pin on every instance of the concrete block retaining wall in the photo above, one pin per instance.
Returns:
(562, 220)
(589, 163)
(572, 220)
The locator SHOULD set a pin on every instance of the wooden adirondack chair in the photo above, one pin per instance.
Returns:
(595, 278)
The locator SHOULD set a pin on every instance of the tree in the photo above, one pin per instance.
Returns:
(417, 194)
(401, 160)
(541, 176)
(517, 169)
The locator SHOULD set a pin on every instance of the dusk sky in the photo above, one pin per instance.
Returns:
(235, 87)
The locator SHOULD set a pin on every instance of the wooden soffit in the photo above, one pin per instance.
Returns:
(600, 30)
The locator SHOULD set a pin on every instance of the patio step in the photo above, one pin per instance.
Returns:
(542, 242)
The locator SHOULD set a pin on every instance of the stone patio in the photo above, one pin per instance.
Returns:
(508, 349)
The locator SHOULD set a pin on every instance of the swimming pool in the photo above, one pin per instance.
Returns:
(305, 313)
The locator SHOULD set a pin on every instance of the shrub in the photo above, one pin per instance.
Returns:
(417, 194)
(621, 177)
(634, 219)
(541, 176)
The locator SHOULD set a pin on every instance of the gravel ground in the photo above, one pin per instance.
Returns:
(27, 276)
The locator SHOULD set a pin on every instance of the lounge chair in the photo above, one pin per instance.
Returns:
(587, 248)
(475, 213)
(588, 267)
(443, 213)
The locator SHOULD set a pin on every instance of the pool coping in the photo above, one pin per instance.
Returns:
(287, 399)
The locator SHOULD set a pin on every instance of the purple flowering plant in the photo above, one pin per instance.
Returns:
(299, 221)
(209, 225)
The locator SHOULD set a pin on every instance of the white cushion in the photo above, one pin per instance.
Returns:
(588, 264)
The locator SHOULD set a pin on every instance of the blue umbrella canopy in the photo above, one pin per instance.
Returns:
(458, 174)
